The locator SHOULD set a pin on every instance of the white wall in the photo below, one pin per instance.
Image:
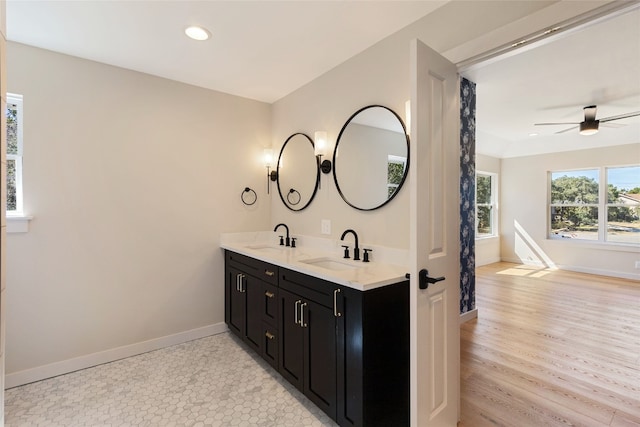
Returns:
(3, 199)
(380, 75)
(488, 248)
(130, 179)
(524, 205)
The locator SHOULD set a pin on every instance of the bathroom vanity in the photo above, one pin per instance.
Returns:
(337, 330)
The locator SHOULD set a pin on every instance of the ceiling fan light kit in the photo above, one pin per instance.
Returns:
(589, 127)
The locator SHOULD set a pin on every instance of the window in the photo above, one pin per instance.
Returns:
(486, 204)
(623, 205)
(14, 154)
(574, 204)
(395, 171)
(600, 204)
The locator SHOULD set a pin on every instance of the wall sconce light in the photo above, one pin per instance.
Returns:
(321, 147)
(268, 162)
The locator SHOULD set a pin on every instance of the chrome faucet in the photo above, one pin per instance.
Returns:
(288, 241)
(356, 250)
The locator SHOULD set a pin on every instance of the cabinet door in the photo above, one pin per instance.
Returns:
(320, 375)
(254, 293)
(290, 358)
(351, 361)
(235, 304)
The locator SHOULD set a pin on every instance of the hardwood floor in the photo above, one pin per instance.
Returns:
(551, 348)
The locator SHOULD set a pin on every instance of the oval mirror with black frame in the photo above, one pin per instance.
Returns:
(371, 158)
(297, 172)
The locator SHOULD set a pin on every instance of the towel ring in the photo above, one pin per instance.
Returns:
(293, 192)
(244, 194)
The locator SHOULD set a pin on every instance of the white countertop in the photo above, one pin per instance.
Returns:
(385, 267)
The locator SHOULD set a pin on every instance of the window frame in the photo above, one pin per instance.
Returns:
(613, 204)
(602, 206)
(17, 100)
(493, 205)
(393, 159)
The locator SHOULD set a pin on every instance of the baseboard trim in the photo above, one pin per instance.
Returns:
(469, 315)
(492, 260)
(111, 355)
(578, 269)
(600, 272)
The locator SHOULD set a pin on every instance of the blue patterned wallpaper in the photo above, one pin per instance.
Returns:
(467, 195)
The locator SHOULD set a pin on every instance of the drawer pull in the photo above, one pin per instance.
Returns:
(269, 273)
(269, 294)
(239, 283)
(295, 314)
(302, 322)
(269, 335)
(336, 313)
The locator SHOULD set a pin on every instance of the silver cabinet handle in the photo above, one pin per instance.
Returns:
(269, 335)
(269, 273)
(296, 311)
(269, 294)
(302, 322)
(335, 303)
(242, 288)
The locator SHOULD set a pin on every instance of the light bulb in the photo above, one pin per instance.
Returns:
(321, 143)
(197, 33)
(268, 157)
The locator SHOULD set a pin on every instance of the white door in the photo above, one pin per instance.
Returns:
(434, 183)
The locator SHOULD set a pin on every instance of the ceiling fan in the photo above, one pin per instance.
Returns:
(590, 125)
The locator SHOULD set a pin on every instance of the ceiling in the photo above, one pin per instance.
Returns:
(261, 50)
(595, 65)
(264, 50)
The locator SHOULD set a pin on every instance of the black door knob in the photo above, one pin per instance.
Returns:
(424, 280)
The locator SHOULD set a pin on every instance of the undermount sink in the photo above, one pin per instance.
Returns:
(330, 264)
(265, 248)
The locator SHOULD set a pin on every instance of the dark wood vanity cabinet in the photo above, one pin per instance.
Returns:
(251, 298)
(308, 342)
(270, 336)
(346, 350)
(373, 356)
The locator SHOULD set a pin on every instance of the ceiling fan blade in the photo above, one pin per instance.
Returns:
(590, 113)
(613, 125)
(567, 130)
(556, 123)
(621, 116)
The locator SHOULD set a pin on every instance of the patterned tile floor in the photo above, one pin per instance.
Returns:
(213, 381)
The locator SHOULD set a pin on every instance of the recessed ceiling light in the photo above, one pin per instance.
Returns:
(533, 134)
(197, 33)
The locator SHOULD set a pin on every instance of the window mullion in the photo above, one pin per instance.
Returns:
(602, 206)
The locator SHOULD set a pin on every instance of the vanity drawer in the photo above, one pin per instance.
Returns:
(270, 305)
(260, 269)
(317, 290)
(270, 345)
